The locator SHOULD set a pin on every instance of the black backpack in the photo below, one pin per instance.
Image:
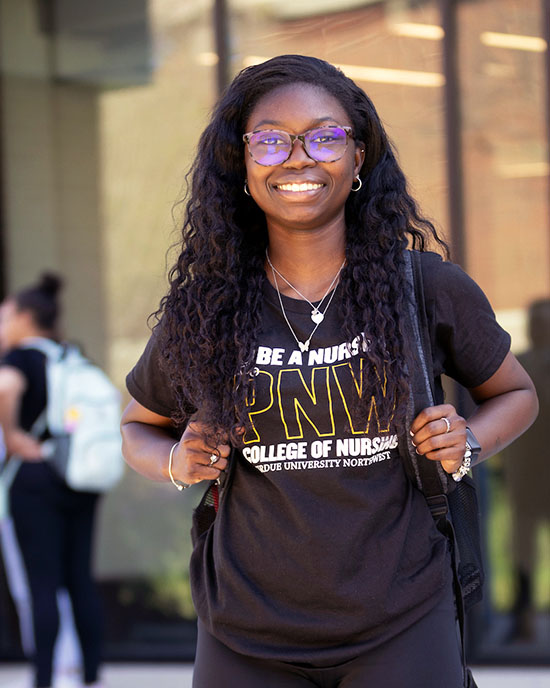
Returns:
(454, 506)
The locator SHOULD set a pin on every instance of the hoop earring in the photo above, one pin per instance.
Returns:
(247, 192)
(358, 178)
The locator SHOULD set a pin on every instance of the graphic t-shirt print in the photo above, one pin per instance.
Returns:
(302, 413)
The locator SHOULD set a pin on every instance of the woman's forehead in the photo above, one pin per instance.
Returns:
(297, 106)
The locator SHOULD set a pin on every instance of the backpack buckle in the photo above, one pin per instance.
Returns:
(439, 505)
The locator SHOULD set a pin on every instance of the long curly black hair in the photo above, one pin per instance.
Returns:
(208, 321)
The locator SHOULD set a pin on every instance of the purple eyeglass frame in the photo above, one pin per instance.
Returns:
(299, 137)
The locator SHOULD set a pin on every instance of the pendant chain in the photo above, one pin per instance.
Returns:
(316, 310)
(303, 346)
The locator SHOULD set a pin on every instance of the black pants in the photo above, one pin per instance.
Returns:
(54, 528)
(426, 655)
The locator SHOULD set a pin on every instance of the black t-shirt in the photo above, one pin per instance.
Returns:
(32, 476)
(31, 363)
(322, 547)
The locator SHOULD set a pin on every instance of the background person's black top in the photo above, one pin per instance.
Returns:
(31, 363)
(322, 548)
(32, 475)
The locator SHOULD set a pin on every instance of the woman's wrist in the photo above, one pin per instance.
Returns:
(471, 453)
(24, 445)
(178, 484)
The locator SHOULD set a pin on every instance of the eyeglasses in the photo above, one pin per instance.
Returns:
(272, 147)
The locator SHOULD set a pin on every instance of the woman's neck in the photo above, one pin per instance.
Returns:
(309, 261)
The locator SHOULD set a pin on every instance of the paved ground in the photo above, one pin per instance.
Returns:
(179, 676)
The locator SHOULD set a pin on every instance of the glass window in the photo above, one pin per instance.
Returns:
(505, 159)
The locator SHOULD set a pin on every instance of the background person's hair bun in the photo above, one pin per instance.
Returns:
(41, 299)
(50, 283)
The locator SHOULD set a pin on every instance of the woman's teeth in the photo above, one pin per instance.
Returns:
(307, 186)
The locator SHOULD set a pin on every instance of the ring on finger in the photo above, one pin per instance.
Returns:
(214, 458)
(448, 424)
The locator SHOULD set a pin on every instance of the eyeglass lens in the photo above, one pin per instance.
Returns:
(272, 147)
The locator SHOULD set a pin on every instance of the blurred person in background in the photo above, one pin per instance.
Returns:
(53, 524)
(527, 476)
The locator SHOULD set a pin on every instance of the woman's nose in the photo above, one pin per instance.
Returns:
(298, 156)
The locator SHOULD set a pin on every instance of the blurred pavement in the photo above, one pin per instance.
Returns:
(179, 676)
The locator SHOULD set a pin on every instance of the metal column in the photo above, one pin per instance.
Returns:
(221, 32)
(453, 132)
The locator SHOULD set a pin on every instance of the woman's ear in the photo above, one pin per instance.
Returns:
(359, 157)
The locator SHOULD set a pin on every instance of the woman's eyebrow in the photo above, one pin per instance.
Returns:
(267, 121)
(313, 123)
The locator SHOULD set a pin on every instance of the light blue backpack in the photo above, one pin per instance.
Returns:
(82, 417)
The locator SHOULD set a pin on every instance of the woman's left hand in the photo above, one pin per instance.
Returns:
(439, 434)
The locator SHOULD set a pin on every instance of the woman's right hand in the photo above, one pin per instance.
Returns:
(25, 446)
(194, 459)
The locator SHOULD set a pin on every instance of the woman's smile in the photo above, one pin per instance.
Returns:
(299, 189)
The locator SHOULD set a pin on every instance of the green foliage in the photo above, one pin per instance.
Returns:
(170, 589)
(500, 550)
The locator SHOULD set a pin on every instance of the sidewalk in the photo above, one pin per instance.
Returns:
(180, 675)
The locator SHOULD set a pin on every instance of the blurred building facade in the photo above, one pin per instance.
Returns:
(101, 107)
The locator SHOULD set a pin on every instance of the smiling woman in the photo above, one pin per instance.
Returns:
(280, 372)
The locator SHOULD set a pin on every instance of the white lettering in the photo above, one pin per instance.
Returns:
(277, 357)
(295, 358)
(316, 449)
(263, 356)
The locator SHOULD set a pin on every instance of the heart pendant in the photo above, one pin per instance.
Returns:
(317, 316)
(304, 346)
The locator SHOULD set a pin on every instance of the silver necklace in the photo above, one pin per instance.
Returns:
(316, 315)
(303, 346)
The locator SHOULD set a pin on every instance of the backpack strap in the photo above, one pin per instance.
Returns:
(50, 349)
(428, 476)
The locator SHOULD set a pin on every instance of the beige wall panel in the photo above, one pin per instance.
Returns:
(28, 173)
(79, 217)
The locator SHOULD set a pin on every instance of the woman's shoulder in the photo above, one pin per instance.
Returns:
(450, 294)
(434, 266)
(149, 381)
(25, 359)
(19, 367)
(444, 279)
(467, 339)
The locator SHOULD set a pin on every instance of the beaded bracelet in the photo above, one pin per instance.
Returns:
(465, 465)
(179, 484)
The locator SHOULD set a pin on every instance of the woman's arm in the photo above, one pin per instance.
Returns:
(17, 441)
(147, 439)
(507, 406)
